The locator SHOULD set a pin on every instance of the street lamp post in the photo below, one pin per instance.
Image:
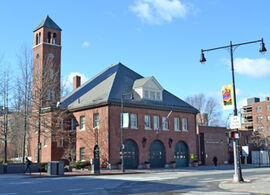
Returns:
(236, 147)
(122, 129)
(122, 136)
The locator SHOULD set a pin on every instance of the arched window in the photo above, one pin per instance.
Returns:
(54, 38)
(36, 39)
(49, 37)
(39, 37)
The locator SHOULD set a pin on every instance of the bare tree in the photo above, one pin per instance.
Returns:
(5, 87)
(44, 97)
(260, 140)
(23, 96)
(47, 120)
(210, 106)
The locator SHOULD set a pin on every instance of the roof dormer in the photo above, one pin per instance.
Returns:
(148, 89)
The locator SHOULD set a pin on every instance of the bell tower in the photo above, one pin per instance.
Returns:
(47, 63)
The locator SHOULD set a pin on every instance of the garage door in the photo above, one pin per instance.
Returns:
(181, 154)
(157, 154)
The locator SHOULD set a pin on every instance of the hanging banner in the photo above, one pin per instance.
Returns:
(125, 119)
(227, 97)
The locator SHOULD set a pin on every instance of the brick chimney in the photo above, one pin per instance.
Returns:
(76, 82)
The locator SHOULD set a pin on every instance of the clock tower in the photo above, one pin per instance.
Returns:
(47, 63)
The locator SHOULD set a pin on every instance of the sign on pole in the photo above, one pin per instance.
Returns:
(245, 151)
(235, 122)
(227, 97)
(125, 119)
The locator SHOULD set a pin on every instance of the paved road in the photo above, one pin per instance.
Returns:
(191, 181)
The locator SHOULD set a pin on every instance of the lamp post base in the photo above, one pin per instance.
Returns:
(236, 178)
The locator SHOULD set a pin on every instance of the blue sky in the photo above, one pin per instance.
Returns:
(160, 38)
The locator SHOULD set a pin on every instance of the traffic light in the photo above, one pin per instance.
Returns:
(233, 134)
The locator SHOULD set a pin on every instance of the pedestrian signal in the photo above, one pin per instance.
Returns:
(233, 134)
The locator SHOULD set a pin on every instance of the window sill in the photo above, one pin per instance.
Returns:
(185, 130)
(147, 128)
(135, 128)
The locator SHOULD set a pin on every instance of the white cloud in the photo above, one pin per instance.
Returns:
(258, 68)
(159, 11)
(68, 80)
(85, 44)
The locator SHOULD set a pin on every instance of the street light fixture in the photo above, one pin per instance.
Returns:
(237, 164)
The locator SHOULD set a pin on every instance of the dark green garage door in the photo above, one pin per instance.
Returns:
(131, 155)
(157, 154)
(181, 154)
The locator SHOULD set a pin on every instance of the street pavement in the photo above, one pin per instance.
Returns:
(152, 181)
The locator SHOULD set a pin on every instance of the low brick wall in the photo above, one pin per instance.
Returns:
(17, 168)
(2, 169)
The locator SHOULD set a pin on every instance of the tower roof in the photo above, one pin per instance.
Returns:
(49, 23)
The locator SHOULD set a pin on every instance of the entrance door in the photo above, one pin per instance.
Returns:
(181, 154)
(202, 151)
(157, 154)
(131, 155)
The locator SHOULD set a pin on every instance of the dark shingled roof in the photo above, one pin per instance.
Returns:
(49, 23)
(108, 87)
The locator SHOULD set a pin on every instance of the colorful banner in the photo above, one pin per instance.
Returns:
(227, 97)
(125, 119)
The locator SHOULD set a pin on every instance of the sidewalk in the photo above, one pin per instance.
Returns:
(257, 185)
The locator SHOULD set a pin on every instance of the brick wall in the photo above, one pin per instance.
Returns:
(215, 143)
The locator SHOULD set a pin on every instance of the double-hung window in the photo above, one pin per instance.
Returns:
(165, 124)
(82, 122)
(176, 124)
(147, 122)
(82, 154)
(133, 121)
(185, 124)
(96, 120)
(73, 124)
(156, 122)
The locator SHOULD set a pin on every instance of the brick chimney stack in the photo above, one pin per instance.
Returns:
(76, 82)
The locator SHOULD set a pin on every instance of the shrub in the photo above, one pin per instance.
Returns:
(80, 164)
(43, 166)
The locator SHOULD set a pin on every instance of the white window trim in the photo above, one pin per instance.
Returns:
(94, 121)
(131, 121)
(177, 126)
(81, 123)
(184, 127)
(81, 154)
(149, 119)
(165, 120)
(156, 123)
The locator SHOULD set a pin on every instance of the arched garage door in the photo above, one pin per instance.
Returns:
(131, 155)
(157, 154)
(181, 154)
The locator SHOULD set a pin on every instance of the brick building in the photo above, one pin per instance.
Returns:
(161, 128)
(256, 116)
